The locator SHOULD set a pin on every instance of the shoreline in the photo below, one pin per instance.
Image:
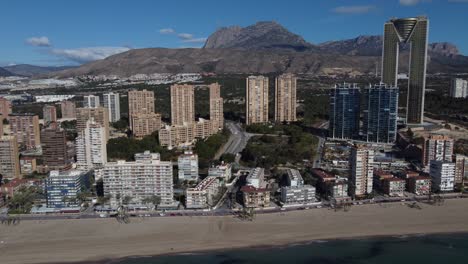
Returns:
(106, 241)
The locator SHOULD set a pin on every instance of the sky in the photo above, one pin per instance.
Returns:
(72, 32)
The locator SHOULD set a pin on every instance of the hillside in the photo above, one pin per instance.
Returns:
(32, 70)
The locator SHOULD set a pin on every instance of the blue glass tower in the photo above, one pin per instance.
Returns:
(344, 111)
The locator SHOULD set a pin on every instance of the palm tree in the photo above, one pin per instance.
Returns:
(126, 200)
(153, 199)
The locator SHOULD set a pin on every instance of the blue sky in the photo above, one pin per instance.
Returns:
(72, 32)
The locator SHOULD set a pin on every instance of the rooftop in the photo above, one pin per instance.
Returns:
(251, 189)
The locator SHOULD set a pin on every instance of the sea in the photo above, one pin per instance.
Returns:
(426, 249)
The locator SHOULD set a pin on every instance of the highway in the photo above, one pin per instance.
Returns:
(236, 142)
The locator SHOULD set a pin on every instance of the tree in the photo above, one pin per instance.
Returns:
(103, 199)
(126, 200)
(153, 199)
(23, 200)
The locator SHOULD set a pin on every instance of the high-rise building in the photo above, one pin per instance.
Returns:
(62, 188)
(91, 146)
(99, 114)
(26, 128)
(443, 175)
(179, 136)
(91, 101)
(362, 170)
(459, 88)
(285, 98)
(5, 107)
(414, 31)
(139, 179)
(437, 147)
(140, 102)
(216, 107)
(1, 125)
(188, 166)
(256, 100)
(344, 111)
(54, 149)
(380, 113)
(145, 124)
(9, 157)
(461, 168)
(112, 103)
(49, 114)
(68, 109)
(182, 104)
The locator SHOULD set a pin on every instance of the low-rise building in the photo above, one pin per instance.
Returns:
(62, 188)
(419, 185)
(461, 169)
(394, 186)
(255, 197)
(202, 196)
(443, 175)
(256, 178)
(188, 166)
(28, 165)
(379, 177)
(9, 189)
(186, 134)
(303, 194)
(339, 189)
(222, 171)
(294, 178)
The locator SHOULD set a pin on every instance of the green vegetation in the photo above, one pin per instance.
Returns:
(207, 148)
(152, 200)
(121, 125)
(23, 200)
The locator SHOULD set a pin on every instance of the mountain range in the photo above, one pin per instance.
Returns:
(265, 47)
(28, 70)
(5, 73)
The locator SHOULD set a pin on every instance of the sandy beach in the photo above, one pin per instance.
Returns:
(94, 239)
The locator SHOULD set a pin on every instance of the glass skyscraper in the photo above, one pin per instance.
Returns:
(414, 31)
(380, 113)
(344, 111)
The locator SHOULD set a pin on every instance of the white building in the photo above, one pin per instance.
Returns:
(304, 194)
(256, 178)
(443, 175)
(91, 101)
(139, 179)
(112, 103)
(202, 196)
(188, 166)
(294, 178)
(459, 88)
(362, 170)
(91, 146)
(223, 171)
(62, 188)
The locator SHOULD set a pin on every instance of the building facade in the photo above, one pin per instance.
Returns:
(112, 103)
(68, 109)
(255, 197)
(26, 128)
(443, 175)
(91, 146)
(49, 113)
(345, 100)
(216, 107)
(185, 135)
(380, 113)
(188, 166)
(459, 88)
(203, 195)
(437, 147)
(145, 124)
(461, 169)
(9, 157)
(394, 186)
(63, 187)
(98, 114)
(182, 104)
(419, 185)
(285, 98)
(362, 170)
(140, 102)
(5, 107)
(415, 32)
(54, 149)
(139, 179)
(222, 171)
(256, 100)
(91, 101)
(256, 178)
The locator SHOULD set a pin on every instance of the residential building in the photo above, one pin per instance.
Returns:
(5, 107)
(185, 135)
(339, 189)
(459, 88)
(379, 177)
(216, 107)
(188, 166)
(345, 100)
(54, 149)
(28, 165)
(140, 102)
(91, 101)
(222, 171)
(49, 113)
(419, 185)
(9, 189)
(443, 175)
(203, 195)
(182, 104)
(1, 125)
(285, 98)
(26, 128)
(255, 197)
(303, 194)
(415, 32)
(437, 147)
(461, 169)
(98, 114)
(256, 178)
(112, 103)
(145, 124)
(256, 100)
(62, 188)
(362, 170)
(9, 157)
(394, 186)
(68, 109)
(91, 146)
(294, 178)
(139, 179)
(380, 113)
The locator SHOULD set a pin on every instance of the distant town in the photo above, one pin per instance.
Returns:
(101, 147)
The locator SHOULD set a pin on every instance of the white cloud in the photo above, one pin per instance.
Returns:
(82, 55)
(39, 41)
(353, 9)
(185, 36)
(167, 31)
(194, 40)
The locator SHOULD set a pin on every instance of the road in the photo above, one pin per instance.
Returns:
(236, 142)
(319, 151)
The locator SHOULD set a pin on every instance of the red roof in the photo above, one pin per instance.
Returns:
(251, 189)
(17, 182)
(324, 175)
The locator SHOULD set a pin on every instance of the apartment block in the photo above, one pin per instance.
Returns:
(68, 109)
(294, 178)
(222, 171)
(304, 194)
(362, 170)
(216, 107)
(9, 157)
(28, 165)
(285, 98)
(139, 179)
(419, 185)
(5, 107)
(140, 102)
(345, 101)
(112, 103)
(256, 100)
(91, 101)
(203, 195)
(461, 169)
(100, 115)
(182, 104)
(443, 175)
(62, 187)
(54, 149)
(188, 166)
(255, 197)
(145, 124)
(459, 88)
(185, 135)
(394, 186)
(49, 113)
(437, 147)
(91, 146)
(256, 178)
(26, 128)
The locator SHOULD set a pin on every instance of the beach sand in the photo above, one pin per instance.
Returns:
(94, 239)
